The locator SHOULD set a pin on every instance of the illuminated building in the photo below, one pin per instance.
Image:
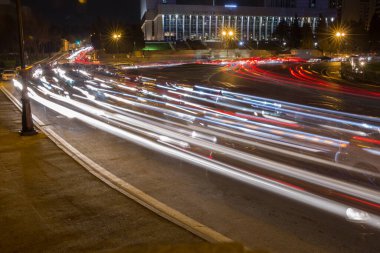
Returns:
(204, 20)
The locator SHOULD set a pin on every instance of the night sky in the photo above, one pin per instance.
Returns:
(85, 11)
(70, 11)
(223, 2)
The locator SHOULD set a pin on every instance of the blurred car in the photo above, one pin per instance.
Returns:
(363, 153)
(8, 75)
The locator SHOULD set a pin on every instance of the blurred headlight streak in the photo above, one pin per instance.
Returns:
(197, 135)
(53, 106)
(105, 86)
(57, 87)
(345, 130)
(180, 121)
(166, 139)
(85, 73)
(91, 82)
(84, 92)
(99, 80)
(269, 136)
(37, 73)
(75, 54)
(126, 87)
(218, 167)
(17, 84)
(296, 108)
(284, 132)
(357, 215)
(260, 162)
(372, 151)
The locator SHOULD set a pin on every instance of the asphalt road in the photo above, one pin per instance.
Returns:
(250, 215)
(256, 218)
(284, 88)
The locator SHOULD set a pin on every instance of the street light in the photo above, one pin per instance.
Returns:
(227, 36)
(116, 37)
(339, 35)
(27, 120)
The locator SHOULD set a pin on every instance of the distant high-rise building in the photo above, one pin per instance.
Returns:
(205, 19)
(337, 5)
(377, 7)
(359, 10)
(364, 12)
(281, 3)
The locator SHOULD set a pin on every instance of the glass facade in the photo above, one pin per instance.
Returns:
(258, 21)
(210, 27)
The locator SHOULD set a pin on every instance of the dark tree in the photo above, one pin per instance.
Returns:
(374, 31)
(307, 36)
(8, 28)
(282, 32)
(40, 37)
(295, 34)
(137, 37)
(97, 32)
(358, 39)
(322, 34)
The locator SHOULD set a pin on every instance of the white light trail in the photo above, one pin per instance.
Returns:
(266, 164)
(148, 127)
(218, 167)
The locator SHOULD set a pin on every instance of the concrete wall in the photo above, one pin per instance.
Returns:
(306, 53)
(181, 56)
(205, 54)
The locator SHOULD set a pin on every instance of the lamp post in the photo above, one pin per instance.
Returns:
(339, 36)
(227, 36)
(116, 37)
(27, 120)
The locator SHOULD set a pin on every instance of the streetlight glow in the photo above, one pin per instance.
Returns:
(228, 37)
(116, 36)
(229, 33)
(340, 34)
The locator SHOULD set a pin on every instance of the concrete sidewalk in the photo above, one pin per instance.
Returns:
(49, 203)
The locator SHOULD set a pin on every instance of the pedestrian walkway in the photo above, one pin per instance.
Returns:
(49, 203)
